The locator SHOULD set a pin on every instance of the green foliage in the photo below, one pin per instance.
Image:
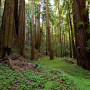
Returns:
(80, 76)
(28, 80)
(49, 76)
(80, 25)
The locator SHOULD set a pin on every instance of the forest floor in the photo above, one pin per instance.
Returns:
(19, 73)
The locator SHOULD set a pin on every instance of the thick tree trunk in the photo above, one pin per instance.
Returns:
(21, 27)
(8, 27)
(83, 58)
(16, 16)
(32, 44)
(48, 28)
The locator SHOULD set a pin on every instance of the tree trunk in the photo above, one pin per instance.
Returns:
(8, 27)
(70, 44)
(46, 41)
(41, 31)
(71, 28)
(0, 9)
(48, 28)
(16, 16)
(27, 38)
(61, 41)
(38, 28)
(32, 44)
(60, 26)
(83, 57)
(56, 42)
(64, 45)
(75, 28)
(0, 29)
(21, 27)
(73, 47)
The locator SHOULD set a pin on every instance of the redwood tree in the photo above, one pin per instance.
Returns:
(48, 29)
(83, 56)
(32, 44)
(0, 26)
(8, 27)
(16, 16)
(21, 27)
(38, 30)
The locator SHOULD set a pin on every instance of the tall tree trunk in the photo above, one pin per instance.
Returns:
(64, 44)
(36, 38)
(60, 42)
(32, 44)
(8, 27)
(56, 42)
(16, 15)
(73, 47)
(0, 29)
(46, 41)
(83, 57)
(75, 28)
(36, 32)
(71, 28)
(48, 28)
(70, 44)
(41, 31)
(39, 28)
(21, 27)
(60, 26)
(0, 9)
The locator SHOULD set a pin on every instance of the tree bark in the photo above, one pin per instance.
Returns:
(21, 27)
(71, 28)
(70, 43)
(8, 27)
(38, 42)
(32, 44)
(16, 16)
(73, 46)
(60, 26)
(0, 29)
(83, 57)
(75, 28)
(48, 28)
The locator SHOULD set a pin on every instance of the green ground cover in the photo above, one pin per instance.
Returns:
(54, 74)
(80, 76)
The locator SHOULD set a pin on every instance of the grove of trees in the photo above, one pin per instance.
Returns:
(59, 28)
